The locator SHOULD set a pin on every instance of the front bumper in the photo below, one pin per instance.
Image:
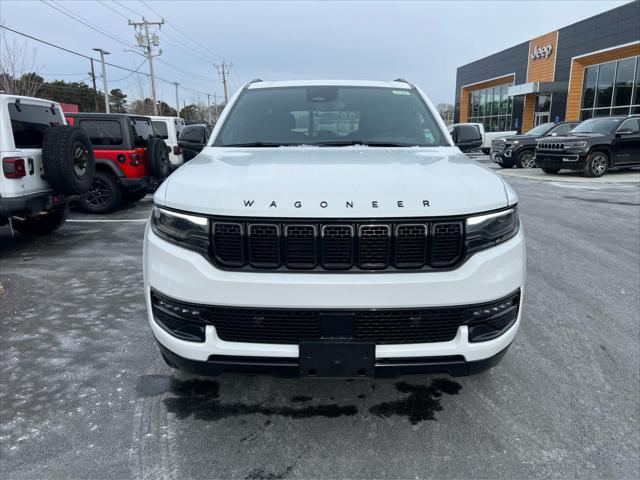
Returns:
(571, 160)
(456, 366)
(187, 276)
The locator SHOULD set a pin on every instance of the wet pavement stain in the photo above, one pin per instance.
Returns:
(199, 399)
(421, 404)
(301, 398)
(260, 474)
(153, 385)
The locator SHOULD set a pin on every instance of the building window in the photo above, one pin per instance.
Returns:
(492, 107)
(611, 88)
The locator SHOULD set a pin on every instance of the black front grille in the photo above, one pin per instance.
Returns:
(498, 145)
(551, 146)
(334, 245)
(292, 326)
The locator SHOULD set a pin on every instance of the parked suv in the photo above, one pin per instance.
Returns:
(594, 146)
(45, 164)
(130, 159)
(333, 229)
(168, 128)
(519, 150)
(192, 139)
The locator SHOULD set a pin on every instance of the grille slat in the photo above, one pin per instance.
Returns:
(228, 244)
(446, 243)
(337, 246)
(300, 246)
(374, 246)
(327, 245)
(264, 245)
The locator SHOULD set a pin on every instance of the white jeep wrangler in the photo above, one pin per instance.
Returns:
(45, 164)
(333, 229)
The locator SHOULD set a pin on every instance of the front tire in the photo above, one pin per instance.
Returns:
(505, 164)
(525, 159)
(597, 164)
(42, 224)
(104, 196)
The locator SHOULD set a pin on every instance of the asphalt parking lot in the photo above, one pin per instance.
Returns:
(85, 394)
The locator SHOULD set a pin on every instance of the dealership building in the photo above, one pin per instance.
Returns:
(584, 70)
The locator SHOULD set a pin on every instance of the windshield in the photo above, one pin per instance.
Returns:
(330, 116)
(598, 125)
(540, 129)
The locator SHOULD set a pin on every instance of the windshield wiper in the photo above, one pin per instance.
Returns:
(260, 144)
(368, 143)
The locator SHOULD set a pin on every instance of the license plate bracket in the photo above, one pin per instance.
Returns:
(337, 359)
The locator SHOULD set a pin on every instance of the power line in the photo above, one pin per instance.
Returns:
(63, 74)
(127, 8)
(137, 70)
(82, 55)
(105, 4)
(175, 43)
(202, 79)
(84, 22)
(206, 49)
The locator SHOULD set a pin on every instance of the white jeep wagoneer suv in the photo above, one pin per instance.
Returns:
(333, 229)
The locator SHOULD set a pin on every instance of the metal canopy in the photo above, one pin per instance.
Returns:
(537, 87)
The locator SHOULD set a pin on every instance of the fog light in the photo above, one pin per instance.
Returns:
(181, 320)
(489, 321)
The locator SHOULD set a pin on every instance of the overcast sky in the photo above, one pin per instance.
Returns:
(422, 41)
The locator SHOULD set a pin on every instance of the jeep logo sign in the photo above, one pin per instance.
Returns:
(541, 52)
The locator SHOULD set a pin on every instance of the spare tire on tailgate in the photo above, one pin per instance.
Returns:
(158, 158)
(68, 161)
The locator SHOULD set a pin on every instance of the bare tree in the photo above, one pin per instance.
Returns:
(18, 69)
(141, 103)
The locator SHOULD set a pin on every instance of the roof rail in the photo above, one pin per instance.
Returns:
(255, 80)
(405, 81)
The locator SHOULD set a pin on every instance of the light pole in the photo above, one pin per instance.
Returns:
(177, 100)
(103, 52)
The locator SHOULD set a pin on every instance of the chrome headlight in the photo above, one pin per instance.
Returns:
(186, 230)
(484, 231)
(574, 144)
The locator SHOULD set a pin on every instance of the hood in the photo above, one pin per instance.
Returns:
(511, 138)
(329, 182)
(574, 136)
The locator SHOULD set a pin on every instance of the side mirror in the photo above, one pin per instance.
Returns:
(466, 137)
(624, 131)
(553, 134)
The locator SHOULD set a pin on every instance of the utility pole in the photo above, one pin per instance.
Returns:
(209, 108)
(147, 43)
(93, 79)
(103, 52)
(223, 71)
(177, 99)
(215, 106)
